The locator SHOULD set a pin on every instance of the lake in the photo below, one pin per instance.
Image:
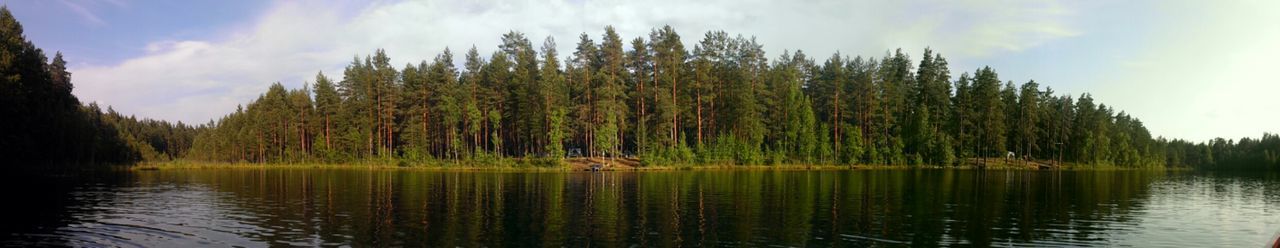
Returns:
(358, 207)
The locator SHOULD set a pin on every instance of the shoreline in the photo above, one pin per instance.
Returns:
(190, 165)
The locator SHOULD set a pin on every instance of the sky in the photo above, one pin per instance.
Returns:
(1192, 70)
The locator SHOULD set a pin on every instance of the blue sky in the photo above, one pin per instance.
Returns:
(1188, 69)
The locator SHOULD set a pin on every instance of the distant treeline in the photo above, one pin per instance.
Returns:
(723, 102)
(1244, 154)
(43, 126)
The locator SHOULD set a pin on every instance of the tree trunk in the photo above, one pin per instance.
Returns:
(327, 144)
(302, 131)
(640, 118)
(675, 115)
(835, 121)
(699, 118)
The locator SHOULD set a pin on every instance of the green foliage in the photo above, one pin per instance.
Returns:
(990, 118)
(555, 148)
(823, 151)
(852, 148)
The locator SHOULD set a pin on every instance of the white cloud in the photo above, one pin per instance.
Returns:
(84, 13)
(197, 80)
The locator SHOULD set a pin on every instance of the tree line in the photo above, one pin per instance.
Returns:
(45, 126)
(722, 102)
(1219, 153)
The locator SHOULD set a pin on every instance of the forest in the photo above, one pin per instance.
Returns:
(723, 102)
(45, 126)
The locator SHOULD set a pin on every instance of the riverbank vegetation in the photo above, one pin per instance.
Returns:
(584, 164)
(651, 100)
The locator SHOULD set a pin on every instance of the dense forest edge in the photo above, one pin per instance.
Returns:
(652, 103)
(46, 127)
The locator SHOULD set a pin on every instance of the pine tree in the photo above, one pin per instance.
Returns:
(583, 84)
(640, 64)
(386, 90)
(989, 114)
(442, 85)
(829, 91)
(416, 126)
(327, 106)
(497, 77)
(475, 121)
(1028, 128)
(743, 107)
(791, 115)
(866, 107)
(708, 64)
(609, 96)
(669, 64)
(554, 94)
(524, 105)
(356, 93)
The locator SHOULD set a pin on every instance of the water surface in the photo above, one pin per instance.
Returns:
(310, 207)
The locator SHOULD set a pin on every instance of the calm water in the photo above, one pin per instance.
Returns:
(310, 207)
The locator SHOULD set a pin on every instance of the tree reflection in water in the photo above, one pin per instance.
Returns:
(306, 207)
